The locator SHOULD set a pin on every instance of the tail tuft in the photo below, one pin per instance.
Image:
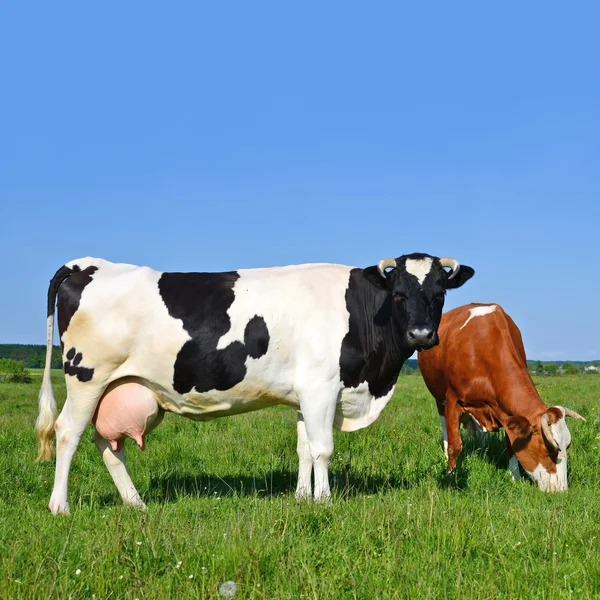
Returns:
(48, 414)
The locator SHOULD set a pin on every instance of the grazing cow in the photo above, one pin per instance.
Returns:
(478, 376)
(327, 340)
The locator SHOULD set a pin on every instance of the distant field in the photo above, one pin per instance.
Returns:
(221, 507)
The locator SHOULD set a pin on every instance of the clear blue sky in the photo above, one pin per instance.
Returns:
(212, 136)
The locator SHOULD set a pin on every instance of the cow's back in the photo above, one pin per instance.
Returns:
(477, 343)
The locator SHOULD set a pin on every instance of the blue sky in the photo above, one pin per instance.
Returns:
(212, 136)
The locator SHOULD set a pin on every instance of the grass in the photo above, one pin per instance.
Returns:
(221, 507)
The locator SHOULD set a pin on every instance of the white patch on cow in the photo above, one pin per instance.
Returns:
(479, 311)
(560, 431)
(552, 482)
(444, 435)
(123, 328)
(299, 351)
(513, 467)
(475, 430)
(555, 482)
(478, 425)
(358, 408)
(419, 267)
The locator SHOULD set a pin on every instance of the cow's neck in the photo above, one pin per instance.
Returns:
(518, 395)
(372, 350)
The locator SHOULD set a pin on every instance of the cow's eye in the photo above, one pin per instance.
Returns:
(398, 296)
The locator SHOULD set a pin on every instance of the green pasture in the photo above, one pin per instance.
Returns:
(221, 508)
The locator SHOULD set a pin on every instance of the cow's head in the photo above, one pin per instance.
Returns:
(417, 284)
(541, 446)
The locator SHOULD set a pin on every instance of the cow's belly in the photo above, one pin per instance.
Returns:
(358, 408)
(241, 398)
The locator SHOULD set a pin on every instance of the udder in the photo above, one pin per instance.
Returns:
(127, 408)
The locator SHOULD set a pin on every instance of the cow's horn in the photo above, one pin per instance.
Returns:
(386, 263)
(547, 431)
(451, 263)
(571, 413)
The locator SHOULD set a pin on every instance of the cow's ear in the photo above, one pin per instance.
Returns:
(518, 427)
(372, 275)
(464, 274)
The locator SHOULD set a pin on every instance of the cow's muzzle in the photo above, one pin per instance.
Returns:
(422, 338)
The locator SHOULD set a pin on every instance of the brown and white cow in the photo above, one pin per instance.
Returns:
(478, 376)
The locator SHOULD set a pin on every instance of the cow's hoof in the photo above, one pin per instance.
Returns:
(57, 508)
(324, 500)
(304, 495)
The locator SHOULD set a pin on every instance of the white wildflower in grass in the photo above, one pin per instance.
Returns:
(228, 589)
(120, 576)
(78, 572)
(204, 570)
(178, 564)
(139, 543)
(190, 577)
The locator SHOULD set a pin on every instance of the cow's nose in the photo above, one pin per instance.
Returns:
(421, 338)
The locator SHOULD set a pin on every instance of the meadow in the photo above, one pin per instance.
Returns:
(221, 507)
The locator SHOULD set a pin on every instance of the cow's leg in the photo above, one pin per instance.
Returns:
(318, 410)
(513, 461)
(305, 463)
(441, 412)
(75, 416)
(452, 414)
(115, 463)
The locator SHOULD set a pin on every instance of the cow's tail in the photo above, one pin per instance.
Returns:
(48, 409)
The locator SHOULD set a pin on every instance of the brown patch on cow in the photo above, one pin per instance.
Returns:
(519, 426)
(554, 415)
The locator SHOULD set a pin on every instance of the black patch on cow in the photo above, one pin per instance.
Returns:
(371, 350)
(256, 337)
(201, 301)
(72, 366)
(69, 295)
(55, 282)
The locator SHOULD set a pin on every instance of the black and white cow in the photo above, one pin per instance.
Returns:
(327, 340)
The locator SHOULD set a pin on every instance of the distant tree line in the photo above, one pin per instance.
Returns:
(539, 367)
(33, 356)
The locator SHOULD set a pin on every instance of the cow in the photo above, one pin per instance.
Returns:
(478, 376)
(327, 340)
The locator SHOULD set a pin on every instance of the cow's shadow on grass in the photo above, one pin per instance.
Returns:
(172, 487)
(345, 482)
(489, 446)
